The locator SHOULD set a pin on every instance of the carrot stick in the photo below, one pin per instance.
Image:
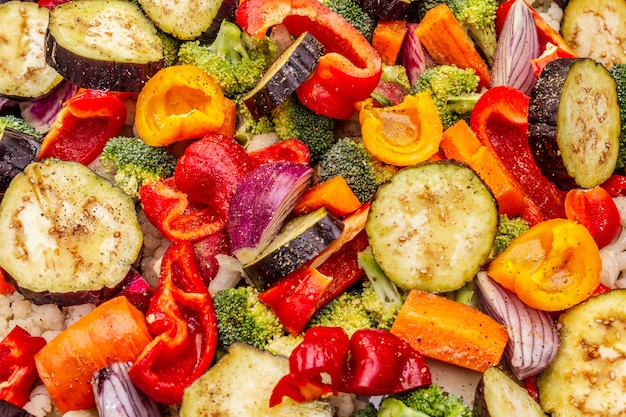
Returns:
(459, 142)
(115, 331)
(451, 332)
(335, 194)
(387, 39)
(448, 44)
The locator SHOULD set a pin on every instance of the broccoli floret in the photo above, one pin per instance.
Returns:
(247, 127)
(508, 229)
(369, 410)
(18, 124)
(171, 45)
(293, 120)
(136, 163)
(361, 170)
(396, 74)
(425, 5)
(354, 14)
(429, 401)
(235, 68)
(242, 317)
(478, 19)
(453, 90)
(618, 71)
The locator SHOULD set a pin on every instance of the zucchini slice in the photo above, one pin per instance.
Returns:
(432, 226)
(69, 236)
(499, 395)
(596, 29)
(586, 378)
(103, 44)
(299, 240)
(574, 123)
(24, 73)
(290, 69)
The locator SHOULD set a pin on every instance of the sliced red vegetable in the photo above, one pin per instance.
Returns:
(595, 209)
(82, 127)
(349, 70)
(517, 46)
(138, 291)
(179, 219)
(209, 170)
(261, 202)
(290, 150)
(551, 53)
(371, 362)
(500, 121)
(413, 56)
(182, 319)
(615, 185)
(17, 365)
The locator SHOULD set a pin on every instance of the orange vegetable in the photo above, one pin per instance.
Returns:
(447, 42)
(449, 331)
(181, 102)
(555, 265)
(459, 142)
(387, 39)
(114, 331)
(335, 194)
(404, 134)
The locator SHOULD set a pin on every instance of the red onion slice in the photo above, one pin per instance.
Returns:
(533, 337)
(412, 56)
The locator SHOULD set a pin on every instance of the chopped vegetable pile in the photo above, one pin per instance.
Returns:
(312, 208)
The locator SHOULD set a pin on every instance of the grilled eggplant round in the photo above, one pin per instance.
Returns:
(574, 123)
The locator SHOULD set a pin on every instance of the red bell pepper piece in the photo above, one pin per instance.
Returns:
(5, 286)
(601, 290)
(17, 365)
(50, 4)
(290, 150)
(595, 209)
(371, 362)
(500, 121)
(209, 170)
(530, 384)
(551, 53)
(349, 70)
(181, 316)
(179, 219)
(84, 125)
(615, 185)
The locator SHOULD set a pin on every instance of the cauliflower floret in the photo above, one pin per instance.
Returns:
(550, 12)
(39, 403)
(613, 255)
(154, 245)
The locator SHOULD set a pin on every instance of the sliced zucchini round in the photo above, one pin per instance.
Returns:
(574, 123)
(586, 377)
(290, 69)
(432, 226)
(24, 73)
(69, 236)
(299, 240)
(103, 44)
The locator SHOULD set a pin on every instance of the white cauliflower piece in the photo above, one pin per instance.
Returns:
(613, 255)
(549, 11)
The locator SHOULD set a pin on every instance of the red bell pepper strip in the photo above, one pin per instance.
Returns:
(209, 170)
(179, 219)
(595, 209)
(181, 316)
(371, 362)
(530, 384)
(291, 150)
(5, 286)
(84, 125)
(551, 53)
(615, 185)
(500, 121)
(17, 365)
(349, 70)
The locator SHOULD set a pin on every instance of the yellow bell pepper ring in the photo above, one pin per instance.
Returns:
(555, 265)
(404, 134)
(178, 103)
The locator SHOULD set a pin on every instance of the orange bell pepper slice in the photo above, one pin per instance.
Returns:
(178, 103)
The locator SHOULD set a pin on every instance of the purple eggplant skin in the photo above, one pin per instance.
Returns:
(10, 410)
(17, 150)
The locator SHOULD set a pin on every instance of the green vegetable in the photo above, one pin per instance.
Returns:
(234, 59)
(354, 14)
(508, 229)
(247, 127)
(425, 5)
(478, 19)
(396, 74)
(368, 411)
(618, 71)
(16, 123)
(293, 120)
(171, 45)
(453, 89)
(356, 165)
(136, 163)
(430, 401)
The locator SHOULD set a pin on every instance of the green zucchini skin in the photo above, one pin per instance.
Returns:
(573, 123)
(300, 240)
(290, 69)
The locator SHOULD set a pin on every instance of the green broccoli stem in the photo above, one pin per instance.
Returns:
(485, 40)
(462, 105)
(228, 43)
(386, 289)
(391, 407)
